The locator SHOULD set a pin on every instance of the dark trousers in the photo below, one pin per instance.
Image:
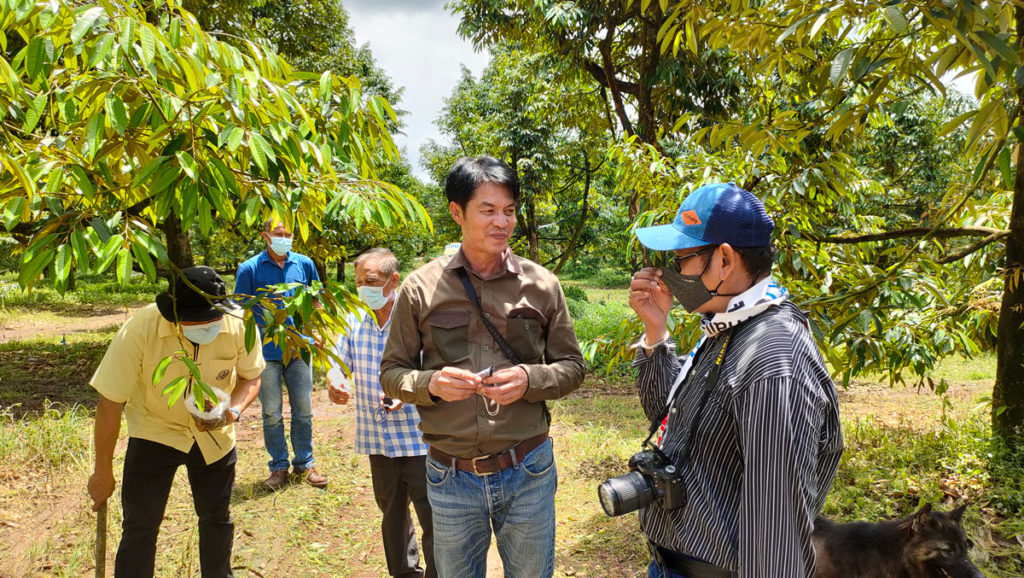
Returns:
(396, 483)
(149, 470)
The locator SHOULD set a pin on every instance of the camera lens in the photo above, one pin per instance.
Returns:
(625, 494)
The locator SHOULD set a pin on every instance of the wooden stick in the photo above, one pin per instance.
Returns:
(101, 541)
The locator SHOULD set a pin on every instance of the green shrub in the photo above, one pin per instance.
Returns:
(575, 293)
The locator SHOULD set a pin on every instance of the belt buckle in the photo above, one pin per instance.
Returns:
(475, 460)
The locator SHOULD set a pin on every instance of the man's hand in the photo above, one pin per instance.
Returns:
(226, 418)
(339, 390)
(651, 299)
(338, 393)
(395, 403)
(506, 386)
(101, 486)
(453, 384)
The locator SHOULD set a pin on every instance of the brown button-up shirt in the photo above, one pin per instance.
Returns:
(434, 324)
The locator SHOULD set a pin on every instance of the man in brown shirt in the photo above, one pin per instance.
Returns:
(481, 393)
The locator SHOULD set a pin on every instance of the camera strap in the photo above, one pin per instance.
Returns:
(710, 383)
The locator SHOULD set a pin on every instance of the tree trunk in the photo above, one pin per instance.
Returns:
(179, 248)
(339, 272)
(571, 246)
(1008, 391)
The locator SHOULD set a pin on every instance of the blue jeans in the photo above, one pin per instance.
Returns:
(654, 571)
(298, 378)
(517, 502)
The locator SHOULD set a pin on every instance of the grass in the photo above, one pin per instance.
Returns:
(903, 448)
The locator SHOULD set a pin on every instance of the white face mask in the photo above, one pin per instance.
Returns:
(202, 334)
(374, 296)
(280, 245)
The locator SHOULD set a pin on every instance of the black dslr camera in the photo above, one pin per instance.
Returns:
(653, 479)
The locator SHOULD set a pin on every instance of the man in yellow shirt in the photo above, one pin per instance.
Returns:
(162, 438)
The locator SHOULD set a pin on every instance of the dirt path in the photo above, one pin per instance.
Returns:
(48, 324)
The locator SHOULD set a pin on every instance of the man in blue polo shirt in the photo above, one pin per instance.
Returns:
(276, 265)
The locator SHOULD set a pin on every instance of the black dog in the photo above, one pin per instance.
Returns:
(925, 544)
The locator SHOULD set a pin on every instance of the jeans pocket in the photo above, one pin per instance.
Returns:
(540, 461)
(436, 475)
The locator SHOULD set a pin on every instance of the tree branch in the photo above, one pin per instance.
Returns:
(975, 247)
(987, 232)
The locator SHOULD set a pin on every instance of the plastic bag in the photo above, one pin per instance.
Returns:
(213, 414)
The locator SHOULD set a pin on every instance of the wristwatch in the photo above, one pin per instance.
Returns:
(238, 414)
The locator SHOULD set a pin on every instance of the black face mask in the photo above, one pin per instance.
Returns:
(689, 290)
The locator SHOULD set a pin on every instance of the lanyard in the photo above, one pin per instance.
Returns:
(710, 383)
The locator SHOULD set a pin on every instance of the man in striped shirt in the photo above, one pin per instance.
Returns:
(386, 429)
(757, 452)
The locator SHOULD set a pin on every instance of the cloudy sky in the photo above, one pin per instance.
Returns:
(416, 43)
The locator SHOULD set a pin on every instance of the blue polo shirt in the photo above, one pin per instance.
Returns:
(259, 272)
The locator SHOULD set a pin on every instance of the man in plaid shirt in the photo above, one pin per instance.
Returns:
(386, 429)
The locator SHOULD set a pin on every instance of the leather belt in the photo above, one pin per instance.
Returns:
(687, 566)
(484, 465)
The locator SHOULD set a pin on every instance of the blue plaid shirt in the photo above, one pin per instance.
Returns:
(393, 434)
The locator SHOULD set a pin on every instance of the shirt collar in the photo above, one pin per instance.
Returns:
(508, 262)
(265, 256)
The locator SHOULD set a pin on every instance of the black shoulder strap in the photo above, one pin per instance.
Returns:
(498, 337)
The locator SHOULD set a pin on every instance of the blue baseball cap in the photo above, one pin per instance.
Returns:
(712, 215)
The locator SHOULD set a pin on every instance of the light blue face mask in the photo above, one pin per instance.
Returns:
(202, 334)
(280, 245)
(374, 296)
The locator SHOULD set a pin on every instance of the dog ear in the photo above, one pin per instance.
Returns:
(958, 513)
(921, 517)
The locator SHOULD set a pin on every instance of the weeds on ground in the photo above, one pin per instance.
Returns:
(59, 438)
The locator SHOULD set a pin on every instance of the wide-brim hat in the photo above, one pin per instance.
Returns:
(182, 303)
(712, 215)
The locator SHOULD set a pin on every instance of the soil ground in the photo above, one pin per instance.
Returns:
(46, 527)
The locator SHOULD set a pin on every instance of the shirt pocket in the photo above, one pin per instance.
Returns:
(220, 373)
(526, 329)
(449, 331)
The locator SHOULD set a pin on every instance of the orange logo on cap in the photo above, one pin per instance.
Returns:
(690, 217)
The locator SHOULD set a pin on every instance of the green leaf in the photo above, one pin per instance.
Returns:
(128, 26)
(12, 212)
(145, 260)
(124, 267)
(160, 370)
(32, 269)
(84, 23)
(40, 53)
(116, 113)
(94, 134)
(83, 181)
(897, 21)
(250, 334)
(187, 164)
(62, 266)
(175, 389)
(148, 170)
(107, 253)
(839, 66)
(34, 113)
(81, 249)
(147, 48)
(100, 49)
(260, 150)
(1003, 160)
(1000, 47)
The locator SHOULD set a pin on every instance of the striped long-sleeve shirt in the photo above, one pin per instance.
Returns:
(764, 453)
